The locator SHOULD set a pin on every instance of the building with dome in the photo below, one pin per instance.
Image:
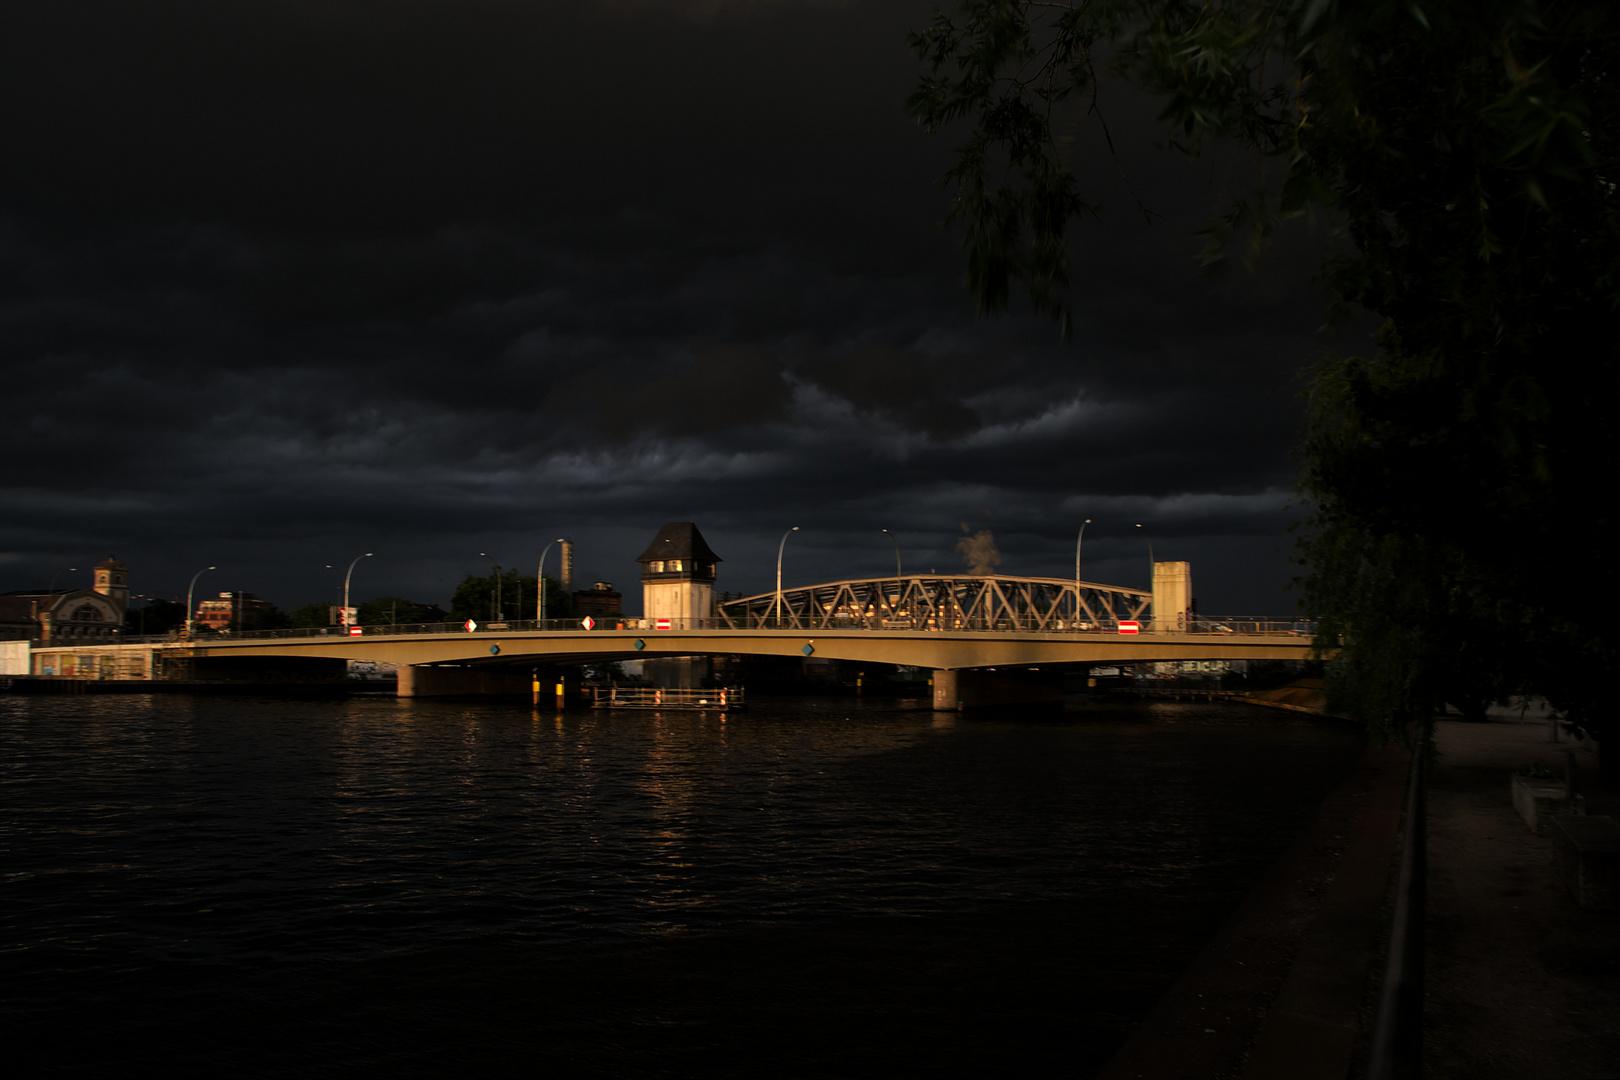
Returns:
(91, 616)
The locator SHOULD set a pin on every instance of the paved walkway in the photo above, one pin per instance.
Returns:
(1521, 982)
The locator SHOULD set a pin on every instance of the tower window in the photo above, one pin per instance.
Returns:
(655, 567)
(674, 566)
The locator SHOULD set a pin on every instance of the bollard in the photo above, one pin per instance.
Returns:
(536, 689)
(559, 693)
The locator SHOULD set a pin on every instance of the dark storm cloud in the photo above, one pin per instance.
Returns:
(282, 280)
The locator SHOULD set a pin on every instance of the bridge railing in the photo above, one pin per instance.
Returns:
(977, 624)
(1201, 625)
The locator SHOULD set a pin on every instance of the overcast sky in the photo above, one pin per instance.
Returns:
(284, 281)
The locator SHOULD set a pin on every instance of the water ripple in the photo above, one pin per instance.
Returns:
(153, 846)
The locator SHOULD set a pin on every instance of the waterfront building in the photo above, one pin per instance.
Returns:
(602, 600)
(233, 611)
(677, 574)
(677, 584)
(69, 614)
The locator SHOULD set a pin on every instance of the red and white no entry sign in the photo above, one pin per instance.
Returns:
(1130, 626)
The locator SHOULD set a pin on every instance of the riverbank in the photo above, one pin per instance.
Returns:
(1283, 991)
(1521, 982)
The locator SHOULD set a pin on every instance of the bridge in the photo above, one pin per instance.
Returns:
(948, 624)
(949, 602)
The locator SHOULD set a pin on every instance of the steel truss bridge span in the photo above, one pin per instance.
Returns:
(948, 602)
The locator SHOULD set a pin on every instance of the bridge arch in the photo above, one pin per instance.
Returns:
(963, 602)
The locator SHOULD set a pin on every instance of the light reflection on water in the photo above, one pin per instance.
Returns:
(241, 865)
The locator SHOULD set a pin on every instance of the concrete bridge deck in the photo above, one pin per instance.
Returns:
(939, 649)
(513, 646)
(449, 660)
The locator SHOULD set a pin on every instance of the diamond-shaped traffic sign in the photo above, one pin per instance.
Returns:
(470, 626)
(589, 623)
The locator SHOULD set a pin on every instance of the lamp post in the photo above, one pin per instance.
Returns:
(55, 600)
(148, 599)
(1149, 540)
(190, 590)
(891, 536)
(347, 575)
(495, 611)
(540, 580)
(779, 548)
(1077, 542)
(899, 584)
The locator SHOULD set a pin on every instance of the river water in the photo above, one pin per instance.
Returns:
(811, 888)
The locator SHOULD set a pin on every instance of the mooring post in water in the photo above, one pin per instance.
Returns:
(559, 693)
(535, 674)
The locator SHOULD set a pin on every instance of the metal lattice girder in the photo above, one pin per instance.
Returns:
(932, 602)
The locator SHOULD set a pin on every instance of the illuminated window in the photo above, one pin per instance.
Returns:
(674, 566)
(655, 567)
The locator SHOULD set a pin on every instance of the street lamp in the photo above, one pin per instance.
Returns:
(495, 611)
(1149, 540)
(540, 580)
(779, 548)
(347, 575)
(190, 589)
(148, 599)
(891, 536)
(1077, 542)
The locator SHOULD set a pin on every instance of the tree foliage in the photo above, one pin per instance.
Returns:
(391, 610)
(1465, 150)
(476, 598)
(310, 616)
(155, 616)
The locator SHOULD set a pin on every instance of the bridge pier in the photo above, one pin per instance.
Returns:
(426, 680)
(979, 688)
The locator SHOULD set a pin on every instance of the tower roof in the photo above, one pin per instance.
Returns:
(111, 562)
(679, 540)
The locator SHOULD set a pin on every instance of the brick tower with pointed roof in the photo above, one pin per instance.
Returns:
(677, 574)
